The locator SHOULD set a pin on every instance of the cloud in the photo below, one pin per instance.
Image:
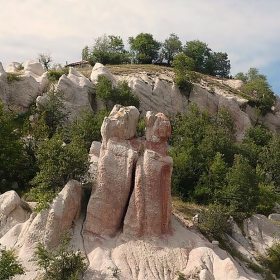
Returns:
(246, 30)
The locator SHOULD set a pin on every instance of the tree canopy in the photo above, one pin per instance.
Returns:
(144, 48)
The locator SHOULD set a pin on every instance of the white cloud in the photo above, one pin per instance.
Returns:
(247, 30)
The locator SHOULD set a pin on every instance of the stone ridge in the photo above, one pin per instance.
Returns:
(133, 191)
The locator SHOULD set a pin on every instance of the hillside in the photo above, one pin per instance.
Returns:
(125, 224)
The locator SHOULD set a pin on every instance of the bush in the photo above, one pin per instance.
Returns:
(61, 263)
(215, 220)
(54, 75)
(12, 77)
(274, 258)
(9, 265)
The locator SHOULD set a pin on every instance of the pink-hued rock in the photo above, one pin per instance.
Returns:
(133, 190)
(118, 156)
(149, 208)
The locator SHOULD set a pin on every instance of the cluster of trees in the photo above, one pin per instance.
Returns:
(144, 49)
(210, 167)
(44, 153)
(257, 90)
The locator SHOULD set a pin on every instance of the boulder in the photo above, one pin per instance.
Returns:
(34, 67)
(274, 217)
(261, 232)
(65, 210)
(118, 155)
(13, 67)
(76, 88)
(100, 69)
(11, 211)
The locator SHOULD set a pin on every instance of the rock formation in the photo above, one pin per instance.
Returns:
(133, 191)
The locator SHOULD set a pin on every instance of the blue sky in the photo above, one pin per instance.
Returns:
(247, 30)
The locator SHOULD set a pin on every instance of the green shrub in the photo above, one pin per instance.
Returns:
(215, 220)
(54, 75)
(9, 265)
(62, 263)
(13, 77)
(273, 261)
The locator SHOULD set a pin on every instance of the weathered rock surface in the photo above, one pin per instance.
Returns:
(13, 67)
(34, 67)
(118, 155)
(48, 226)
(19, 95)
(76, 88)
(261, 232)
(149, 208)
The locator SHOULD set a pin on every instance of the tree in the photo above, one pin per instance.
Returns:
(199, 52)
(85, 53)
(61, 263)
(171, 47)
(242, 192)
(269, 160)
(58, 163)
(45, 59)
(258, 90)
(104, 90)
(124, 95)
(15, 163)
(86, 125)
(121, 94)
(53, 109)
(9, 265)
(144, 48)
(107, 50)
(218, 64)
(183, 67)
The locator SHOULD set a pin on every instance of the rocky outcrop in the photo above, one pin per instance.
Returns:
(19, 94)
(133, 188)
(77, 90)
(48, 226)
(118, 156)
(13, 67)
(149, 208)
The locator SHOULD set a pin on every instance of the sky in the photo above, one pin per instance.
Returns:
(247, 30)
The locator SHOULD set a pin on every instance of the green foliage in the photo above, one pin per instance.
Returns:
(53, 110)
(121, 94)
(171, 47)
(54, 74)
(9, 265)
(13, 77)
(206, 61)
(274, 258)
(199, 52)
(58, 163)
(269, 159)
(106, 50)
(196, 139)
(215, 220)
(257, 87)
(183, 67)
(144, 48)
(104, 90)
(14, 159)
(86, 126)
(61, 263)
(242, 186)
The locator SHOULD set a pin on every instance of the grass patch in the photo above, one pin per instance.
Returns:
(188, 209)
(13, 77)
